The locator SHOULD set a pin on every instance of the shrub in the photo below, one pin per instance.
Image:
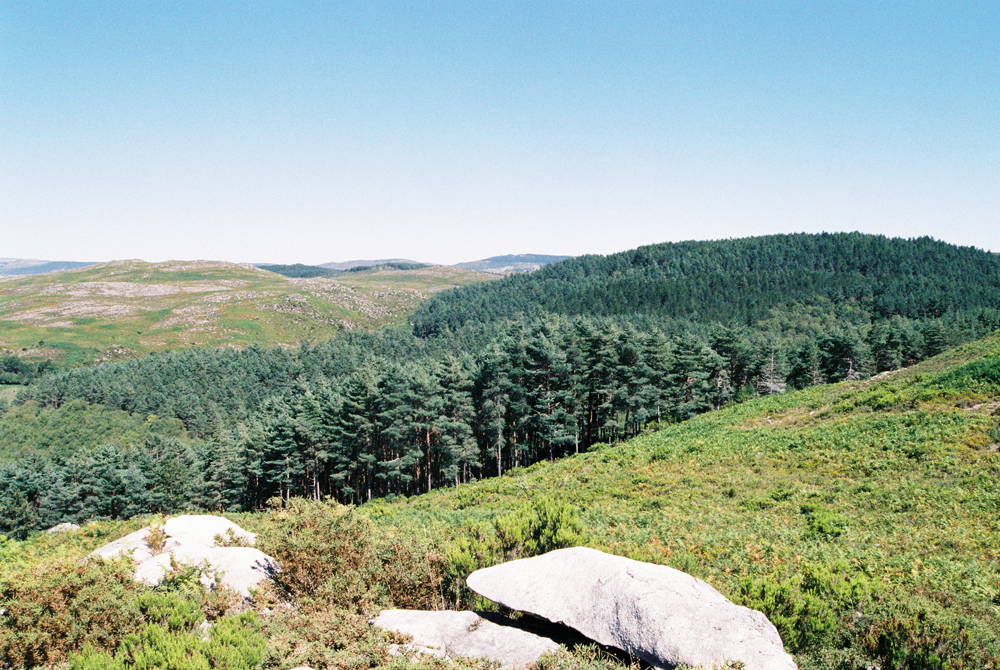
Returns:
(325, 552)
(329, 554)
(810, 609)
(823, 522)
(233, 643)
(537, 528)
(169, 609)
(904, 635)
(62, 607)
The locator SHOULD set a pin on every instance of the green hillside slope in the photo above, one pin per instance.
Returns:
(861, 517)
(126, 308)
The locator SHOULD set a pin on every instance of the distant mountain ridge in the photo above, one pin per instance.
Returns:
(512, 263)
(10, 267)
(347, 265)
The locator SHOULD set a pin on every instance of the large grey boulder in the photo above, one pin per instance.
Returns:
(63, 528)
(236, 568)
(466, 634)
(661, 615)
(190, 540)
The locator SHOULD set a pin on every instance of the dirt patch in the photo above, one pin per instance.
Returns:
(46, 353)
(112, 289)
(124, 289)
(55, 315)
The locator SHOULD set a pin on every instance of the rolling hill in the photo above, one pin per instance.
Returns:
(512, 263)
(739, 282)
(126, 308)
(21, 266)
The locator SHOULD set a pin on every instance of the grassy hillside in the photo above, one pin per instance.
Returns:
(862, 518)
(126, 308)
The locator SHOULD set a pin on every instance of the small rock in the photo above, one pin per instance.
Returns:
(63, 528)
(466, 634)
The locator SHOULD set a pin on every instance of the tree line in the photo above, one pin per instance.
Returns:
(387, 414)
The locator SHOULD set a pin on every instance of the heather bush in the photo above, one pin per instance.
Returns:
(58, 608)
(330, 557)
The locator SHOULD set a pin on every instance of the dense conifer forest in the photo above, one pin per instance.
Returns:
(740, 282)
(490, 377)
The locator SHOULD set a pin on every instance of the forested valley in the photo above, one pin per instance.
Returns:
(489, 378)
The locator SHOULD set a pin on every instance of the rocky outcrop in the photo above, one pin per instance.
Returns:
(661, 615)
(465, 634)
(134, 545)
(203, 529)
(191, 540)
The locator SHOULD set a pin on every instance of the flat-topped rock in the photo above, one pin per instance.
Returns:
(661, 615)
(202, 529)
(466, 634)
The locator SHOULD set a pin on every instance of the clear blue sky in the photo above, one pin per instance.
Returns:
(443, 132)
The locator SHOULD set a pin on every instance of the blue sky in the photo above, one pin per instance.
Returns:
(443, 132)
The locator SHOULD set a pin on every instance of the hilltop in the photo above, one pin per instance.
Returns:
(123, 309)
(23, 266)
(512, 263)
(740, 282)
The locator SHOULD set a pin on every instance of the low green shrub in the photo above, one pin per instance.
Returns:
(822, 522)
(810, 608)
(170, 610)
(903, 633)
(539, 527)
(232, 643)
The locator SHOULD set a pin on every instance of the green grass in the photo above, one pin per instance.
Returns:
(8, 391)
(127, 308)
